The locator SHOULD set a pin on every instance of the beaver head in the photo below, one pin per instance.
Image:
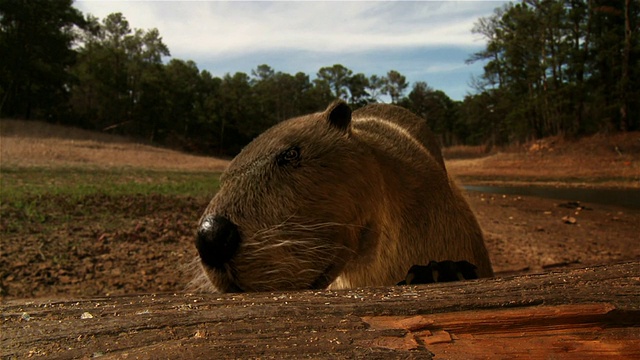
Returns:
(293, 207)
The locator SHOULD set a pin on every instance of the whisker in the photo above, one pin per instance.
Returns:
(299, 243)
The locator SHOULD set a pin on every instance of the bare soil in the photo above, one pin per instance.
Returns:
(144, 243)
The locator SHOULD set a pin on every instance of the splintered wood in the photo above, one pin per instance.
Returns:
(580, 331)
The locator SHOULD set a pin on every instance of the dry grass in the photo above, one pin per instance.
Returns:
(464, 152)
(599, 160)
(38, 144)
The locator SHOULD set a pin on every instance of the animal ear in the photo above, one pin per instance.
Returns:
(338, 115)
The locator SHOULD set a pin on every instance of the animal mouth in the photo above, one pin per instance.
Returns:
(223, 279)
(324, 280)
(233, 288)
(229, 281)
(321, 283)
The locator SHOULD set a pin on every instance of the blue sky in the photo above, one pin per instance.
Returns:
(423, 40)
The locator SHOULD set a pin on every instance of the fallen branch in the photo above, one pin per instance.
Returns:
(578, 313)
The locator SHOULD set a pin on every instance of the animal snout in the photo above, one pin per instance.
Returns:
(217, 241)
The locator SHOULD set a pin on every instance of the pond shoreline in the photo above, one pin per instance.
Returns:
(624, 197)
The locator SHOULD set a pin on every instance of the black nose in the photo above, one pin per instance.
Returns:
(217, 241)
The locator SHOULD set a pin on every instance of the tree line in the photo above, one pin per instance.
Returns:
(552, 67)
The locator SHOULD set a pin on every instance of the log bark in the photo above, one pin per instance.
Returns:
(582, 313)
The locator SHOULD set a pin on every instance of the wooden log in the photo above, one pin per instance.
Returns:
(577, 314)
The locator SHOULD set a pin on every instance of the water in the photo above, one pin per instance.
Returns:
(629, 198)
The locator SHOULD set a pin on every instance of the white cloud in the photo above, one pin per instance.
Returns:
(239, 27)
(444, 67)
(291, 36)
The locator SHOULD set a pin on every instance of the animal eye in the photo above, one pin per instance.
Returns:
(291, 155)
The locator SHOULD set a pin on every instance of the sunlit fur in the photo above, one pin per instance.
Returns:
(360, 208)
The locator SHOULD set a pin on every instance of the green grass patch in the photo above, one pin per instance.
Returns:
(23, 183)
(42, 199)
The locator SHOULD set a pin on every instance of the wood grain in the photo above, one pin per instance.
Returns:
(576, 314)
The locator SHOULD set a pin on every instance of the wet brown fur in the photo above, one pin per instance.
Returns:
(365, 201)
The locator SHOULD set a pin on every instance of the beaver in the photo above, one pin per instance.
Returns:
(336, 199)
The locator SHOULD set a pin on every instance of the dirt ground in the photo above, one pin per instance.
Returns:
(145, 244)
